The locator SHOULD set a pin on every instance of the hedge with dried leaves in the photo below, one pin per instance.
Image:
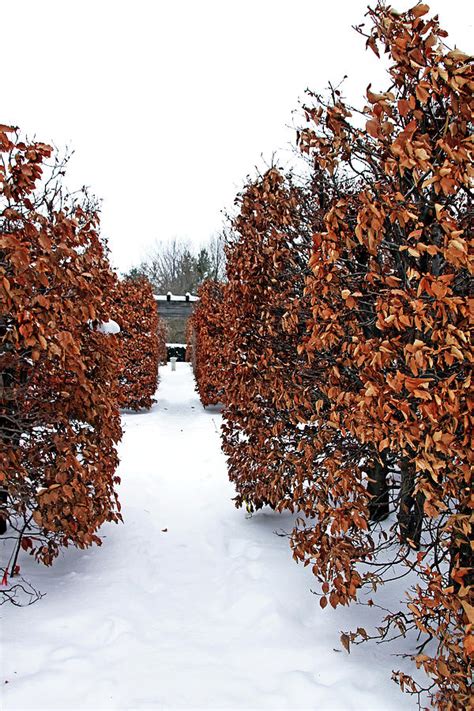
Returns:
(390, 309)
(348, 377)
(141, 343)
(59, 416)
(205, 339)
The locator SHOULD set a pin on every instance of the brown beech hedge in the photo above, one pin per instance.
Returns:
(59, 416)
(347, 352)
(205, 334)
(390, 307)
(268, 417)
(141, 342)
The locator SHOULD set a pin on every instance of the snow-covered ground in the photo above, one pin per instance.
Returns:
(189, 604)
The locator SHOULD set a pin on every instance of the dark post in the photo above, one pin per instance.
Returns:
(3, 512)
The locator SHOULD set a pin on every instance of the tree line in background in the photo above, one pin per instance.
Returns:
(340, 346)
(173, 267)
(64, 372)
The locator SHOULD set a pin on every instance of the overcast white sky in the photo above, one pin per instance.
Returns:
(169, 105)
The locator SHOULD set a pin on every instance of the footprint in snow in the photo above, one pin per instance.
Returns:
(240, 547)
(111, 629)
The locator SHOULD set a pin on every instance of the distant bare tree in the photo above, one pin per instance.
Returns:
(172, 266)
(216, 253)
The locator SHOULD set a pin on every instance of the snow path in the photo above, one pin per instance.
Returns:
(213, 613)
